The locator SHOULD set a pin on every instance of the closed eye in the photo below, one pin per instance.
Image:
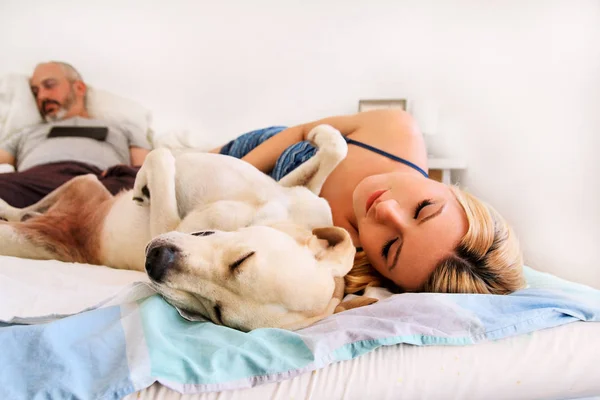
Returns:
(49, 83)
(422, 205)
(386, 248)
(234, 266)
(203, 233)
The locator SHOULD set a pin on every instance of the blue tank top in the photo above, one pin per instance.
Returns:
(296, 154)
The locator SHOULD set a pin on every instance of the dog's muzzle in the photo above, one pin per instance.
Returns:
(159, 259)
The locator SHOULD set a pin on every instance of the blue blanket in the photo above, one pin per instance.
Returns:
(111, 352)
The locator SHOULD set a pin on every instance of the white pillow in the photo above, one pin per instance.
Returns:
(18, 109)
(108, 106)
(17, 105)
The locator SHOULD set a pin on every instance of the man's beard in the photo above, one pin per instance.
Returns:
(57, 116)
(62, 110)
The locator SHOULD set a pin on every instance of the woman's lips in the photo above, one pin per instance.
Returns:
(374, 197)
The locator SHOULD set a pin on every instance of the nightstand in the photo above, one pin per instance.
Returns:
(440, 169)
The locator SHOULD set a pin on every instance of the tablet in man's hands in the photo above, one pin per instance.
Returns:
(92, 132)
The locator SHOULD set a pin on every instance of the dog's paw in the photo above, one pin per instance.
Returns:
(14, 216)
(323, 134)
(140, 192)
(329, 140)
(356, 302)
(3, 212)
(4, 206)
(28, 215)
(141, 196)
(158, 163)
(9, 213)
(8, 217)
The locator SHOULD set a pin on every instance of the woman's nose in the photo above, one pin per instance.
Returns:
(389, 213)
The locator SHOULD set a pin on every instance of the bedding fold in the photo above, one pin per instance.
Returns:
(124, 348)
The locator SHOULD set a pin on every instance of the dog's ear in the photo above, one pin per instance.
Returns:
(333, 246)
(356, 302)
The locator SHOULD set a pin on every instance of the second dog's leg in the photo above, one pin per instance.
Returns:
(13, 214)
(60, 223)
(16, 243)
(154, 187)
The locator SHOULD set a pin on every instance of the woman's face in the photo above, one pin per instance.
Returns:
(407, 224)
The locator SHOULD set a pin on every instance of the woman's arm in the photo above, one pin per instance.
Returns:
(378, 122)
(265, 156)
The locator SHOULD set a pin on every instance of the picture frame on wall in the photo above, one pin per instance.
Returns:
(377, 104)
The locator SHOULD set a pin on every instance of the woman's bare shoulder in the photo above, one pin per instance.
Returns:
(394, 131)
(390, 121)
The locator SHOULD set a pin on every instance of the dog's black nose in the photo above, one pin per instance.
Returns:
(158, 260)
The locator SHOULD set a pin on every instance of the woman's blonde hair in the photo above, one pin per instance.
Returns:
(487, 260)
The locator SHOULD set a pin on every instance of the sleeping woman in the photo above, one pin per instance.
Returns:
(413, 233)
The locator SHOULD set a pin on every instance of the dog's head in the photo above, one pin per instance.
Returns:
(280, 276)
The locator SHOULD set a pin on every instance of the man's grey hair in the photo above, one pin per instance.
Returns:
(70, 71)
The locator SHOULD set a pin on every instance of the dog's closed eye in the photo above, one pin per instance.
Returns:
(203, 233)
(234, 266)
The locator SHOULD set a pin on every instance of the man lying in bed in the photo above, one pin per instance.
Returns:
(68, 144)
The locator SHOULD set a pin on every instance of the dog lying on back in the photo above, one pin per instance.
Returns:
(218, 238)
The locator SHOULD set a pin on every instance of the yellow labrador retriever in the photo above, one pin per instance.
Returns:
(260, 276)
(222, 239)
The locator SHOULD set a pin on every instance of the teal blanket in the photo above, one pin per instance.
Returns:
(111, 352)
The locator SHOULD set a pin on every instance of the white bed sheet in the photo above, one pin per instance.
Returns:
(557, 363)
(35, 291)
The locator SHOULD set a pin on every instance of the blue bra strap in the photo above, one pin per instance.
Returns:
(386, 154)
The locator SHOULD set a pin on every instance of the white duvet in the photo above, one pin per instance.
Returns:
(549, 363)
(36, 291)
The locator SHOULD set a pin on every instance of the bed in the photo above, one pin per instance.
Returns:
(83, 331)
(540, 365)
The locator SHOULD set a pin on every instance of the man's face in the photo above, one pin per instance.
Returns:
(56, 97)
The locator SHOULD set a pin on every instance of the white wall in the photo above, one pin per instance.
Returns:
(518, 83)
